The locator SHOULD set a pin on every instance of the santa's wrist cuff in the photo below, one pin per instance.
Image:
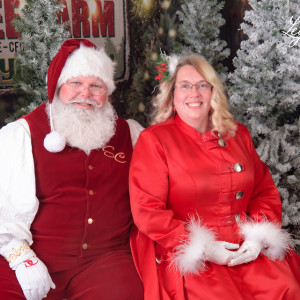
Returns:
(16, 251)
(275, 240)
(189, 257)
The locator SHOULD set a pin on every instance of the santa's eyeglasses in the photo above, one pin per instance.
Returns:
(94, 89)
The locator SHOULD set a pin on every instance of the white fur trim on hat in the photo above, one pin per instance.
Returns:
(89, 61)
(276, 241)
(189, 257)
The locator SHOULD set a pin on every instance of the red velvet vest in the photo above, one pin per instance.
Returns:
(84, 208)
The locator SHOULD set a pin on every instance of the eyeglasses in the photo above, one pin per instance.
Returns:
(94, 89)
(186, 86)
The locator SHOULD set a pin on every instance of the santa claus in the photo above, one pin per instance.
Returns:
(64, 211)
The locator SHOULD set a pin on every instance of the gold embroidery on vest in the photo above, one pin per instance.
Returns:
(15, 253)
(119, 157)
(108, 153)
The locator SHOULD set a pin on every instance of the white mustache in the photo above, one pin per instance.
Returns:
(86, 101)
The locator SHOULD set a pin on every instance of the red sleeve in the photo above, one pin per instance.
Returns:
(265, 202)
(148, 184)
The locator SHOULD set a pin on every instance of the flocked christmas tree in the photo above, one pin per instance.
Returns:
(157, 37)
(265, 94)
(41, 38)
(199, 29)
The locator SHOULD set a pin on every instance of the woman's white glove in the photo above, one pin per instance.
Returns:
(219, 252)
(34, 278)
(31, 272)
(249, 251)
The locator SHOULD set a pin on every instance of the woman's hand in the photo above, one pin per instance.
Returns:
(219, 252)
(249, 251)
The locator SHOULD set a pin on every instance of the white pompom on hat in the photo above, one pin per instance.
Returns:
(77, 57)
(54, 142)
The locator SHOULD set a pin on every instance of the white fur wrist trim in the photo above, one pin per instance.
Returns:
(189, 257)
(275, 241)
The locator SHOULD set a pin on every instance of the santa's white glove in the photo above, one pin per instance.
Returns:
(249, 251)
(34, 278)
(219, 252)
(31, 272)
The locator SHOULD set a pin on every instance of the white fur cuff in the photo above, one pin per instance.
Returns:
(276, 241)
(189, 257)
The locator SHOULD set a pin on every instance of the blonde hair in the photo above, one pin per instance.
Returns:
(221, 119)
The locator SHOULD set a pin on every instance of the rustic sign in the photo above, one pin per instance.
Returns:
(103, 22)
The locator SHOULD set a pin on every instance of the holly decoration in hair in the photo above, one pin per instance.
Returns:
(166, 66)
(163, 68)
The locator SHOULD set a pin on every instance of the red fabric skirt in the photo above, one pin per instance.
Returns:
(262, 279)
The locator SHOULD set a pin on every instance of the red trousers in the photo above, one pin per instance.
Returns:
(108, 277)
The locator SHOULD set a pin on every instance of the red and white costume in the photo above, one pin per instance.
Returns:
(179, 175)
(72, 208)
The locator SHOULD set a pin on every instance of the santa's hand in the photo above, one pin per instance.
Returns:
(31, 272)
(219, 252)
(248, 252)
(34, 278)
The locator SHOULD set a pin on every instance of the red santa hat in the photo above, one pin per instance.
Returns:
(77, 57)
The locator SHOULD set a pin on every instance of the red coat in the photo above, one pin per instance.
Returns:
(176, 173)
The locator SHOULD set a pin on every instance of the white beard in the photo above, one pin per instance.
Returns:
(86, 129)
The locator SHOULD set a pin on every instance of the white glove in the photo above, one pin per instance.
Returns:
(249, 251)
(31, 272)
(218, 252)
(34, 278)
